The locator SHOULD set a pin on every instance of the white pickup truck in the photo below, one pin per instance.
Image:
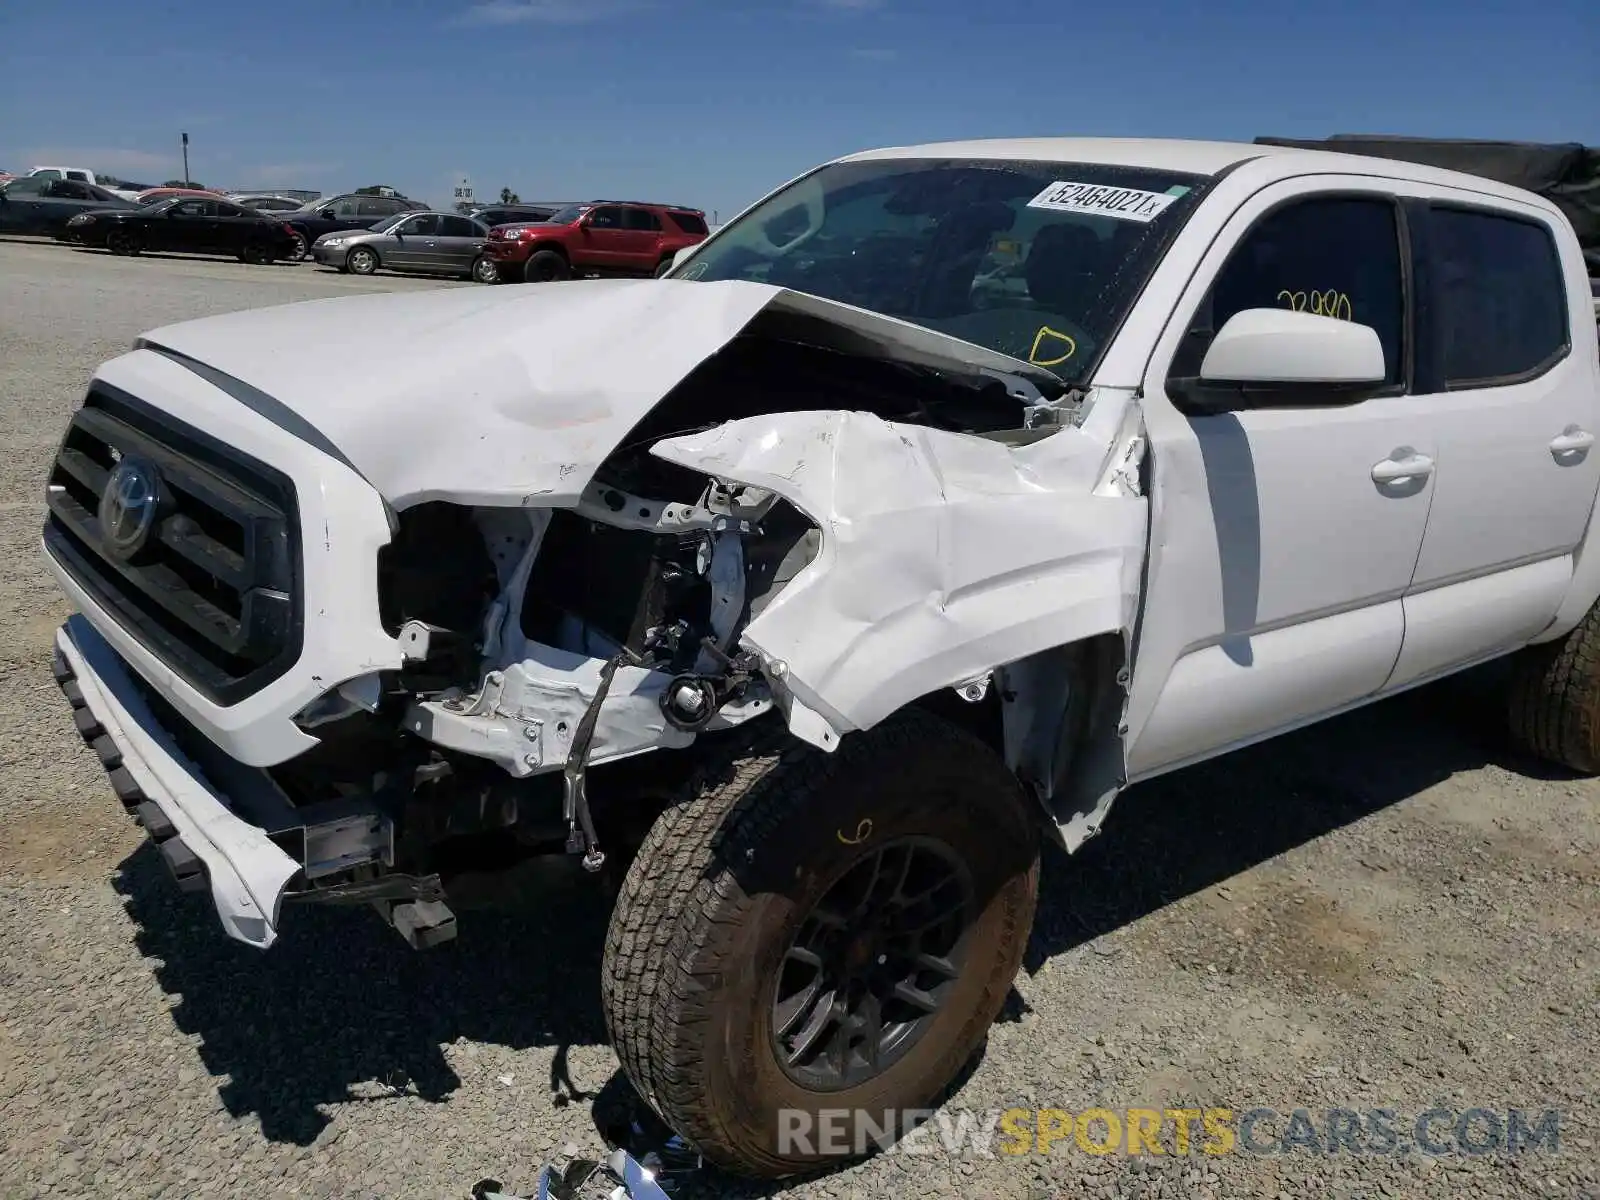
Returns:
(937, 498)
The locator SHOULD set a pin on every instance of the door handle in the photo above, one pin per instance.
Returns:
(1571, 441)
(1404, 463)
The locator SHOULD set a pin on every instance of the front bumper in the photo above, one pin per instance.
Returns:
(192, 820)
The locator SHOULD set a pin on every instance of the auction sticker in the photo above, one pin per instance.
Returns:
(1095, 199)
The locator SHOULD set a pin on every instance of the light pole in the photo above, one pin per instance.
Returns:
(186, 160)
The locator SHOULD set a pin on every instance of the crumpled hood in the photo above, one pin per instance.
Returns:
(512, 395)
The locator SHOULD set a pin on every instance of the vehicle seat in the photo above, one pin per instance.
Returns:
(1064, 268)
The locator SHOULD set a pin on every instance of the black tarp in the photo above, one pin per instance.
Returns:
(1565, 173)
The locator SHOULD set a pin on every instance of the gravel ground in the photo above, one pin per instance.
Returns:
(1387, 911)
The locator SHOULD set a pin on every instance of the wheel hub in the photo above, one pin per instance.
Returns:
(872, 964)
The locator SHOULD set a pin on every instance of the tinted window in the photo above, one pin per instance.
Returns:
(427, 225)
(81, 176)
(689, 222)
(1337, 257)
(233, 210)
(194, 208)
(28, 185)
(640, 218)
(606, 217)
(1501, 295)
(461, 227)
(100, 193)
(67, 189)
(346, 207)
(495, 216)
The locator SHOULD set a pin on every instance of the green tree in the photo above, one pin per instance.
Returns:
(507, 196)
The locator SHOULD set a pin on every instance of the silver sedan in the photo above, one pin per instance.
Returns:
(434, 243)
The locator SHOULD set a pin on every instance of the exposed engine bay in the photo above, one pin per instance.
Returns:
(543, 644)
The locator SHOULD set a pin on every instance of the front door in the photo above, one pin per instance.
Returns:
(1282, 539)
(412, 243)
(604, 240)
(1516, 415)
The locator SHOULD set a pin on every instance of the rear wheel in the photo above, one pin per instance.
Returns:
(122, 241)
(297, 248)
(484, 270)
(362, 260)
(546, 266)
(808, 932)
(1555, 698)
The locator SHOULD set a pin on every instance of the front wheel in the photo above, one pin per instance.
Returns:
(122, 242)
(546, 266)
(361, 261)
(806, 933)
(484, 270)
(663, 267)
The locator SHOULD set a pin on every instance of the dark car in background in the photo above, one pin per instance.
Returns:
(520, 213)
(190, 225)
(39, 205)
(335, 214)
(432, 243)
(605, 237)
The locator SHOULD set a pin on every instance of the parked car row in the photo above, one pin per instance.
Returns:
(358, 233)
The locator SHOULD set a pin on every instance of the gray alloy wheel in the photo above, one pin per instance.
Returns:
(484, 270)
(363, 260)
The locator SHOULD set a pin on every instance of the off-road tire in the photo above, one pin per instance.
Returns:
(545, 266)
(710, 906)
(1555, 698)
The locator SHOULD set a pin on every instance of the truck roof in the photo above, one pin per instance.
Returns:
(1192, 157)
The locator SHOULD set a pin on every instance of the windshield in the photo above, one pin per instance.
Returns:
(567, 215)
(1037, 260)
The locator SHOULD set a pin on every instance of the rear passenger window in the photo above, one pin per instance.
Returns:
(689, 222)
(1337, 257)
(640, 218)
(1502, 308)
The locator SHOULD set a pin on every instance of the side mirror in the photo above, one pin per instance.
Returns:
(1274, 356)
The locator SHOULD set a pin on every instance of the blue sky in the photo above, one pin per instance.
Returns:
(711, 104)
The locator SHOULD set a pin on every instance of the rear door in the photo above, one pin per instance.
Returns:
(1515, 413)
(460, 241)
(643, 246)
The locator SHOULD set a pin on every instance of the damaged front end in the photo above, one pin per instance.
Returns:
(753, 545)
(782, 508)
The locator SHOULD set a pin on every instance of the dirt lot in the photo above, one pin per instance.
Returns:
(1388, 911)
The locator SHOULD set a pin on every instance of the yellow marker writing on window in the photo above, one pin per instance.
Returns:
(1321, 304)
(1049, 341)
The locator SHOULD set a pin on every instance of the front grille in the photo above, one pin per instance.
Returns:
(214, 588)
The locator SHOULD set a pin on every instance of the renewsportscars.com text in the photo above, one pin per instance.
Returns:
(1178, 1132)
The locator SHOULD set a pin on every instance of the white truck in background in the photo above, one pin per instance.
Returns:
(914, 515)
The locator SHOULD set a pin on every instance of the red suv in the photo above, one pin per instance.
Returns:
(606, 237)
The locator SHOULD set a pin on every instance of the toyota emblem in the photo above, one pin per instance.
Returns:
(128, 507)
